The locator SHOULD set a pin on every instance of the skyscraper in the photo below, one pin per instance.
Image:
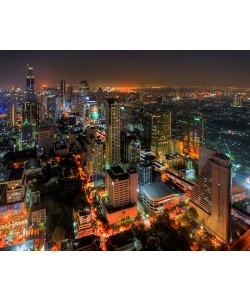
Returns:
(31, 107)
(161, 134)
(193, 135)
(84, 87)
(113, 142)
(30, 85)
(211, 194)
(62, 88)
(100, 97)
(62, 93)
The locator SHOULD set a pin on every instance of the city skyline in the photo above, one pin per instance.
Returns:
(153, 168)
(114, 67)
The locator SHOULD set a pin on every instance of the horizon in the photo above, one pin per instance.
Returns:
(168, 68)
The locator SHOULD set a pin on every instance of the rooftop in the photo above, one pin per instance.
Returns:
(157, 190)
(85, 242)
(16, 174)
(222, 156)
(43, 128)
(122, 239)
(117, 174)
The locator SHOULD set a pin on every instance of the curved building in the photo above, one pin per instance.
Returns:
(157, 196)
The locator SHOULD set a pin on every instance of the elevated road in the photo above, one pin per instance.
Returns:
(243, 244)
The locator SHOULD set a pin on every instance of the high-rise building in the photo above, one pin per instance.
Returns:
(211, 194)
(31, 106)
(62, 88)
(30, 85)
(95, 160)
(100, 97)
(238, 100)
(146, 120)
(46, 138)
(145, 172)
(62, 94)
(84, 87)
(113, 132)
(134, 150)
(70, 92)
(193, 138)
(12, 118)
(161, 134)
(121, 187)
(26, 135)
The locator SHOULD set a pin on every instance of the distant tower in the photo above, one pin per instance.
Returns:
(113, 143)
(100, 97)
(211, 194)
(161, 133)
(31, 105)
(238, 100)
(84, 87)
(62, 94)
(62, 88)
(193, 135)
(30, 85)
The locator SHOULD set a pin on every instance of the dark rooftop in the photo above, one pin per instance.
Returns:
(112, 100)
(116, 173)
(45, 127)
(16, 174)
(85, 242)
(222, 156)
(122, 239)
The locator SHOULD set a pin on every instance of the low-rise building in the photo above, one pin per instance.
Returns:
(83, 222)
(157, 196)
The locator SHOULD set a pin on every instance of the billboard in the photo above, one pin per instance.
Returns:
(94, 112)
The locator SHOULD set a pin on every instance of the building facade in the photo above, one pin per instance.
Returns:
(211, 195)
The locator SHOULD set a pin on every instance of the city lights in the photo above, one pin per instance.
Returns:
(118, 166)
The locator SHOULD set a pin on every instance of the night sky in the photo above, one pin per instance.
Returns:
(183, 68)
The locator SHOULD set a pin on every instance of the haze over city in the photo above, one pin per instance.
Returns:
(177, 68)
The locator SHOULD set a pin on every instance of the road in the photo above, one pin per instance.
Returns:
(243, 244)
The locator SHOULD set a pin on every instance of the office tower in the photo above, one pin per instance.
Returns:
(84, 87)
(70, 92)
(100, 97)
(30, 85)
(58, 108)
(43, 108)
(145, 171)
(62, 88)
(46, 138)
(95, 160)
(211, 194)
(26, 135)
(113, 142)
(62, 94)
(238, 100)
(134, 151)
(31, 106)
(103, 111)
(161, 134)
(133, 185)
(121, 187)
(204, 155)
(146, 120)
(12, 116)
(193, 135)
